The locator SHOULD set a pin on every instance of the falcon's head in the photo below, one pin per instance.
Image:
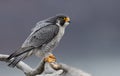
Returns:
(60, 20)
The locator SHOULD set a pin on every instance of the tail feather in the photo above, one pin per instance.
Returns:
(18, 56)
(11, 56)
(15, 61)
(20, 52)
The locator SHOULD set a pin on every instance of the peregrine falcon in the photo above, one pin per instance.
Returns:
(43, 39)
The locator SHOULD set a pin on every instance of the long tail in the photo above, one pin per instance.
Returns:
(16, 60)
(18, 56)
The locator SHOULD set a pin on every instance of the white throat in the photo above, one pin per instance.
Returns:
(66, 24)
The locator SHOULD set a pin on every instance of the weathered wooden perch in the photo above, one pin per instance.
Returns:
(45, 69)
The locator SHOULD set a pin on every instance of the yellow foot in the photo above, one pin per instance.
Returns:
(50, 59)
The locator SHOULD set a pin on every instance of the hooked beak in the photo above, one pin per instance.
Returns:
(67, 19)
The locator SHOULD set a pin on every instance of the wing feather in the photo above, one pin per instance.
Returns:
(41, 36)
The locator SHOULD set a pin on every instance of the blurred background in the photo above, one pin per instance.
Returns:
(91, 42)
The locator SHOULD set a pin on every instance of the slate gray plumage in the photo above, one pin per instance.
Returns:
(43, 39)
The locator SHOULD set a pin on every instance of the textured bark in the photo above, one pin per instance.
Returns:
(47, 69)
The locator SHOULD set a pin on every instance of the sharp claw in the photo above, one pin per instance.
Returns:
(50, 59)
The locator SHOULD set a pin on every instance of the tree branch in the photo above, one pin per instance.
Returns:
(59, 69)
(24, 67)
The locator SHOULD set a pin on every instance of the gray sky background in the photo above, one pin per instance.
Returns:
(91, 42)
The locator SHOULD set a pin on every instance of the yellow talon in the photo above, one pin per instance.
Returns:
(50, 59)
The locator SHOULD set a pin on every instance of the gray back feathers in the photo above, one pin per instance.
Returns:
(41, 35)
